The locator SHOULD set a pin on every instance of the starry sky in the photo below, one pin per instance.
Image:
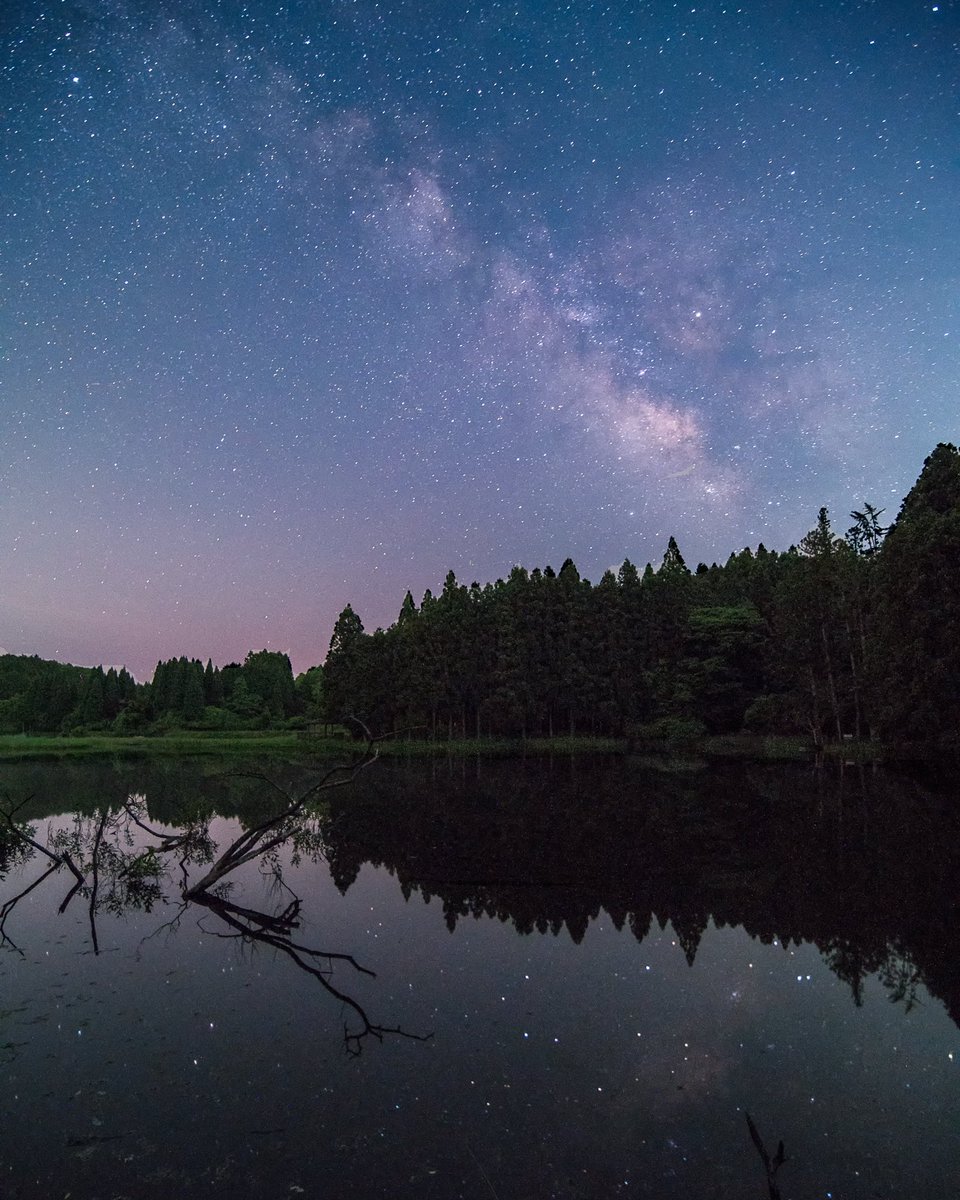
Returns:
(307, 303)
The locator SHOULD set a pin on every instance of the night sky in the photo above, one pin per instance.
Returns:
(303, 304)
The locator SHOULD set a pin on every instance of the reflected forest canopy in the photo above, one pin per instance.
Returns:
(850, 637)
(790, 855)
(793, 855)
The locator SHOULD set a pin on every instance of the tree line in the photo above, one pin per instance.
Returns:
(840, 636)
(39, 696)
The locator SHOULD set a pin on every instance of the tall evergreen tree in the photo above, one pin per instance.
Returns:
(91, 707)
(191, 707)
(343, 670)
(212, 685)
(111, 694)
(915, 651)
(269, 675)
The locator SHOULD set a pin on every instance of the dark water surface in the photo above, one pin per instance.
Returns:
(610, 965)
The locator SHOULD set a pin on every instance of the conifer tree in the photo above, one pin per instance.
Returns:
(191, 708)
(91, 708)
(344, 667)
(111, 694)
(212, 685)
(915, 650)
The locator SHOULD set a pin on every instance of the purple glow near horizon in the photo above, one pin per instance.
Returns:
(307, 305)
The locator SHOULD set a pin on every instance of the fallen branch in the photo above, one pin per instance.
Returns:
(57, 860)
(274, 831)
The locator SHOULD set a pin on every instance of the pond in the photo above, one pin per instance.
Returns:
(565, 978)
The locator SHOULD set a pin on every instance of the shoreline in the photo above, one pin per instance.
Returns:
(721, 747)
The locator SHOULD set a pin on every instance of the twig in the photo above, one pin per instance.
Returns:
(770, 1166)
(95, 880)
(486, 1178)
(11, 904)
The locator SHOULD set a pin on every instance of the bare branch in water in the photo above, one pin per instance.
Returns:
(12, 903)
(279, 828)
(771, 1166)
(7, 812)
(264, 928)
(168, 841)
(118, 873)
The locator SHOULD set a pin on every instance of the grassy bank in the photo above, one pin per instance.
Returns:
(290, 745)
(14, 747)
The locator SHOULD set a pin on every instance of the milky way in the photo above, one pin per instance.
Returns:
(305, 304)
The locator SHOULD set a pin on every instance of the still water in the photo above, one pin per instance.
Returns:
(586, 975)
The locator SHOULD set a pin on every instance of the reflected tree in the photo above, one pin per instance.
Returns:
(770, 1165)
(120, 861)
(57, 860)
(792, 857)
(901, 979)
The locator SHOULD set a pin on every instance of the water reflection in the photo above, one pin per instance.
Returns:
(119, 862)
(864, 865)
(576, 1053)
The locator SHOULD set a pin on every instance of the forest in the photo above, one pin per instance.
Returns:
(852, 636)
(40, 696)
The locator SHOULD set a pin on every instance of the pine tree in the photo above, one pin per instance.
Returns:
(191, 708)
(269, 675)
(915, 650)
(343, 669)
(91, 708)
(111, 694)
(212, 685)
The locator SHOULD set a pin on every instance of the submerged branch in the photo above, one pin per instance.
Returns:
(105, 849)
(168, 841)
(771, 1166)
(95, 880)
(56, 860)
(279, 828)
(252, 926)
(18, 830)
(12, 903)
(263, 927)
